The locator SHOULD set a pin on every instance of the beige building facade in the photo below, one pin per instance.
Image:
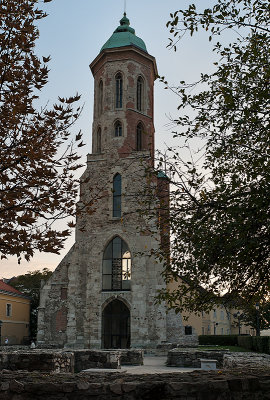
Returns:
(14, 315)
(220, 320)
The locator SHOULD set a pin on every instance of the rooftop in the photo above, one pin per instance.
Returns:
(4, 287)
(123, 36)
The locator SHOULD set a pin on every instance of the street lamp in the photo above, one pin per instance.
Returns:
(238, 316)
(1, 323)
(258, 332)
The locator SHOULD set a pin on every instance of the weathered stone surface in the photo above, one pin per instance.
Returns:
(116, 388)
(83, 385)
(190, 358)
(37, 360)
(201, 385)
(72, 301)
(16, 386)
(5, 386)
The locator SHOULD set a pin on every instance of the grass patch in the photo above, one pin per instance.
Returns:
(230, 348)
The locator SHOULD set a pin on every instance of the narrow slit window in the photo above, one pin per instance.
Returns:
(117, 194)
(118, 129)
(119, 91)
(99, 141)
(8, 310)
(140, 93)
(139, 137)
(100, 98)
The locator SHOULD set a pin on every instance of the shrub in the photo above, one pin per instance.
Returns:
(220, 340)
(245, 341)
(261, 344)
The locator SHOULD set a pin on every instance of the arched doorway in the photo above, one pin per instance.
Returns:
(116, 326)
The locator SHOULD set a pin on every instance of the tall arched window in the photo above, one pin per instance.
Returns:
(140, 90)
(100, 98)
(117, 129)
(99, 141)
(117, 194)
(116, 268)
(118, 91)
(139, 134)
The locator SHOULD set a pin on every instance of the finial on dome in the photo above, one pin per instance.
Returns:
(124, 20)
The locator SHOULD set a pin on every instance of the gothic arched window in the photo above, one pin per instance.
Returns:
(100, 98)
(118, 129)
(116, 268)
(140, 90)
(99, 141)
(117, 194)
(139, 134)
(118, 91)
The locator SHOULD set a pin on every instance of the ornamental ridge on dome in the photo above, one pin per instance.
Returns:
(123, 36)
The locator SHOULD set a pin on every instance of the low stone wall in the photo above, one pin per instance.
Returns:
(86, 359)
(190, 358)
(246, 360)
(68, 361)
(131, 357)
(198, 385)
(37, 361)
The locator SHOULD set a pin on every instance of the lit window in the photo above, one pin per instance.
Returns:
(117, 129)
(118, 91)
(116, 266)
(139, 137)
(100, 98)
(140, 94)
(99, 141)
(8, 310)
(117, 193)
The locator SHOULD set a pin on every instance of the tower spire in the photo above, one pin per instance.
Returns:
(125, 7)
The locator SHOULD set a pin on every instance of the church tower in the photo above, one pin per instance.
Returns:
(102, 294)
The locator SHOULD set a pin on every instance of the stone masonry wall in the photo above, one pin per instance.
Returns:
(37, 361)
(67, 361)
(72, 301)
(193, 386)
(191, 358)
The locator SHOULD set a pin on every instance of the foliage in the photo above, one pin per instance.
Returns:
(255, 343)
(37, 185)
(220, 340)
(261, 344)
(257, 318)
(29, 284)
(245, 341)
(219, 211)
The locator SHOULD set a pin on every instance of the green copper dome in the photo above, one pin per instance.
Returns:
(124, 35)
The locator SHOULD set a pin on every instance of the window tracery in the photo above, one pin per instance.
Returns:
(116, 269)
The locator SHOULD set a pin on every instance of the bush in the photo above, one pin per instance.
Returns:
(261, 344)
(255, 343)
(245, 341)
(220, 340)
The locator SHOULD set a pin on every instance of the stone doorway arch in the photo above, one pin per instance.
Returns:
(116, 326)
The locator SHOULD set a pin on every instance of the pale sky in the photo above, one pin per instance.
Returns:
(73, 35)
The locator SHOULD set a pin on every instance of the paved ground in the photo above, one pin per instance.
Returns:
(152, 365)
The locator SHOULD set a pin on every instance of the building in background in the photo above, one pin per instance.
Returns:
(14, 315)
(221, 320)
